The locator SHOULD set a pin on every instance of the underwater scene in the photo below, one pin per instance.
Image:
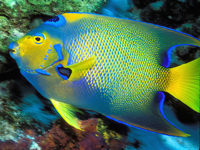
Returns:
(99, 74)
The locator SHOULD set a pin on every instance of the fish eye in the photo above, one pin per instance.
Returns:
(39, 38)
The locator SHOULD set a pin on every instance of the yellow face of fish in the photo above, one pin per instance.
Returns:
(36, 52)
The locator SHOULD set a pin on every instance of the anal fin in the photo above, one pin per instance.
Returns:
(166, 126)
(150, 118)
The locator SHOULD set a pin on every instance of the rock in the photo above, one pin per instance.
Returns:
(9, 111)
(157, 5)
(170, 13)
(4, 27)
(13, 121)
(3, 61)
(143, 3)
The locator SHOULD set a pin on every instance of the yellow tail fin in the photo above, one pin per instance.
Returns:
(184, 84)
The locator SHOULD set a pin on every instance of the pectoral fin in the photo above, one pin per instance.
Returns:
(68, 113)
(76, 71)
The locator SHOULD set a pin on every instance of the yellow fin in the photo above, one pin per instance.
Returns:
(185, 84)
(80, 69)
(67, 112)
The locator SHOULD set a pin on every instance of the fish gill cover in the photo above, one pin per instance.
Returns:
(28, 121)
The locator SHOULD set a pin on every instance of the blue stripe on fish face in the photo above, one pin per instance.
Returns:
(58, 49)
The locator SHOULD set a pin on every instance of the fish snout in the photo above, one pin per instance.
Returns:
(13, 48)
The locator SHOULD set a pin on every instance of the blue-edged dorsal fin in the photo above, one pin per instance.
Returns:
(168, 39)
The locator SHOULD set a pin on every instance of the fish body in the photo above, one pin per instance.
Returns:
(113, 66)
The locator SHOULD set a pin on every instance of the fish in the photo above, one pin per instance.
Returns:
(117, 67)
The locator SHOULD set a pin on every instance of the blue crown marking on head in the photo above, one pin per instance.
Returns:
(56, 21)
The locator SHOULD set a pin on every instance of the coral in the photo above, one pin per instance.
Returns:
(89, 125)
(62, 136)
(55, 138)
(4, 27)
(22, 144)
(111, 130)
(10, 118)
(13, 121)
(93, 141)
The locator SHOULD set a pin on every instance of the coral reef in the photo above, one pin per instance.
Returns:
(17, 17)
(62, 136)
(13, 120)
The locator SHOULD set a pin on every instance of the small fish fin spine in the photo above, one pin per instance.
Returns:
(184, 84)
(68, 113)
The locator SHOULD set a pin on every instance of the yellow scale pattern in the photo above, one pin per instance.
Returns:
(126, 71)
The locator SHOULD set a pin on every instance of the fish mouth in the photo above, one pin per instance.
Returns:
(11, 50)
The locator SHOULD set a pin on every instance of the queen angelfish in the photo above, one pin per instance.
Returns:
(116, 67)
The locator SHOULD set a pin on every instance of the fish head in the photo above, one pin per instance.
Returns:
(38, 49)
